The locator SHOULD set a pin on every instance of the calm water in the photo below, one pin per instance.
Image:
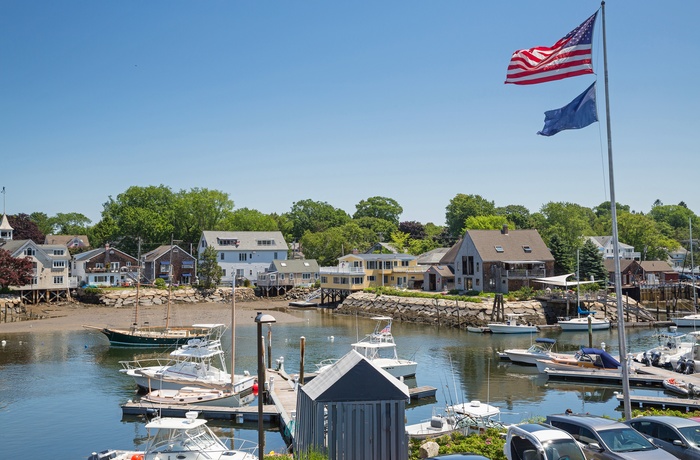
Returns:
(60, 393)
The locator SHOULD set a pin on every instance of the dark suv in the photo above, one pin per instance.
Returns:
(607, 439)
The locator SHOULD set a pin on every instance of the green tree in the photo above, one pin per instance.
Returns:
(400, 240)
(676, 217)
(381, 228)
(199, 209)
(14, 271)
(563, 256)
(103, 232)
(414, 228)
(517, 214)
(314, 216)
(250, 220)
(209, 270)
(72, 223)
(327, 246)
(568, 220)
(644, 235)
(591, 263)
(379, 207)
(485, 222)
(417, 247)
(463, 206)
(42, 221)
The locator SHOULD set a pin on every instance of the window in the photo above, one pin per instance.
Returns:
(371, 278)
(371, 265)
(224, 272)
(188, 264)
(101, 279)
(357, 280)
(266, 242)
(242, 257)
(283, 264)
(114, 266)
(29, 252)
(99, 265)
(499, 248)
(281, 276)
(222, 256)
(57, 280)
(58, 252)
(306, 276)
(404, 263)
(324, 279)
(306, 264)
(164, 267)
(527, 248)
(59, 264)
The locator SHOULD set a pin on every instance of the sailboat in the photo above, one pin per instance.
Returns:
(207, 392)
(152, 336)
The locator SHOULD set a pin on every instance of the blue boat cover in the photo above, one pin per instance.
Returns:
(545, 340)
(608, 361)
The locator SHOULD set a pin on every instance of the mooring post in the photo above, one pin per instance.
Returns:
(302, 350)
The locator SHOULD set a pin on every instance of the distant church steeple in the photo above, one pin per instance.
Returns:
(5, 229)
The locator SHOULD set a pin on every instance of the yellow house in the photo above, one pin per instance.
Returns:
(359, 271)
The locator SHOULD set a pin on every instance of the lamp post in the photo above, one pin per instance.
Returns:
(260, 319)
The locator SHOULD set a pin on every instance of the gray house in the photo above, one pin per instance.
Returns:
(283, 275)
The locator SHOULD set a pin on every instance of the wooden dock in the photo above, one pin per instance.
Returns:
(683, 404)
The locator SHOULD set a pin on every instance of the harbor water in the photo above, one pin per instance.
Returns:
(60, 392)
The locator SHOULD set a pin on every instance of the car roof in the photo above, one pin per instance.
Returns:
(541, 431)
(668, 419)
(592, 421)
(460, 456)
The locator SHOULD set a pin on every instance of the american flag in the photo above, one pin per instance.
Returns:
(386, 330)
(569, 57)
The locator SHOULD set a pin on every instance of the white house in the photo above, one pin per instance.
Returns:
(605, 246)
(244, 253)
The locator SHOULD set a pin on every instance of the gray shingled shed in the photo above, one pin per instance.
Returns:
(362, 407)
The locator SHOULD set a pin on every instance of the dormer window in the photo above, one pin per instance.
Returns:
(499, 248)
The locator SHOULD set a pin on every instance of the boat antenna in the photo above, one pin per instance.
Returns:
(488, 381)
(454, 383)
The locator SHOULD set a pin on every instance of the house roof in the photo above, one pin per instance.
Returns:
(13, 246)
(247, 241)
(513, 244)
(432, 257)
(353, 378)
(603, 241)
(445, 271)
(451, 255)
(388, 246)
(378, 256)
(624, 264)
(66, 239)
(87, 255)
(296, 266)
(17, 246)
(162, 250)
(656, 266)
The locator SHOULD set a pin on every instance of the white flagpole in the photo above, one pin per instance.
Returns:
(616, 245)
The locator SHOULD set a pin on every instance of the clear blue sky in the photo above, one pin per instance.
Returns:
(338, 101)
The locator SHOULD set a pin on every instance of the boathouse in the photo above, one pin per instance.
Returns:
(352, 410)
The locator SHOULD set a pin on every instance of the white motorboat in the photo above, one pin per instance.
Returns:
(201, 362)
(379, 348)
(512, 325)
(441, 422)
(186, 438)
(480, 415)
(672, 347)
(586, 359)
(687, 321)
(582, 323)
(201, 396)
(541, 349)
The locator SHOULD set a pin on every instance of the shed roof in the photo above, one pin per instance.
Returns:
(296, 266)
(353, 378)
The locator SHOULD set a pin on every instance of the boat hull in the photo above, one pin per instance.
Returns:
(687, 321)
(510, 329)
(154, 339)
(582, 325)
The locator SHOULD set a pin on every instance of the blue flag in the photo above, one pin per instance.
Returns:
(577, 114)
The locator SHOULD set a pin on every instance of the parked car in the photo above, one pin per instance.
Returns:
(460, 456)
(537, 441)
(607, 439)
(677, 435)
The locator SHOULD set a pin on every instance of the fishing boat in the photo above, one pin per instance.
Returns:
(541, 349)
(201, 362)
(672, 347)
(512, 325)
(586, 359)
(441, 422)
(187, 438)
(481, 416)
(379, 348)
(478, 329)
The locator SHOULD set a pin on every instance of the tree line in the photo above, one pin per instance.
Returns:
(152, 215)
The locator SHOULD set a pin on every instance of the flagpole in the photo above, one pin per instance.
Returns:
(616, 244)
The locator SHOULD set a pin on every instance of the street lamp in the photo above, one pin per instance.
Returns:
(260, 319)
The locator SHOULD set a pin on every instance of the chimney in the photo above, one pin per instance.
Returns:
(504, 230)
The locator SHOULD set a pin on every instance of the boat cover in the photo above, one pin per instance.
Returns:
(608, 361)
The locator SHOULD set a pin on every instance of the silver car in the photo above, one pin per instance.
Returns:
(677, 435)
(607, 439)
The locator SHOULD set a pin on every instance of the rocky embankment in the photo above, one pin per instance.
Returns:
(127, 297)
(461, 314)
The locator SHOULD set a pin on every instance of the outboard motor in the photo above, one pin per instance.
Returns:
(690, 366)
(655, 358)
(681, 365)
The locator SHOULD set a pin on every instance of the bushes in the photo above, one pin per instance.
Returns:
(159, 283)
(489, 444)
(425, 295)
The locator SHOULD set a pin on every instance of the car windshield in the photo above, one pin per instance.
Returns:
(625, 440)
(691, 434)
(563, 449)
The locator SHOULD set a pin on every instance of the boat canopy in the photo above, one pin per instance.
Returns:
(606, 358)
(561, 280)
(545, 340)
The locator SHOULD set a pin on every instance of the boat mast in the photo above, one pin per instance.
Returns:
(138, 284)
(692, 265)
(616, 245)
(233, 328)
(170, 283)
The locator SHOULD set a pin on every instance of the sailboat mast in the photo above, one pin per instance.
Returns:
(616, 245)
(170, 283)
(233, 328)
(692, 265)
(138, 284)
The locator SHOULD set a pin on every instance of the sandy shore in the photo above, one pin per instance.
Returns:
(71, 317)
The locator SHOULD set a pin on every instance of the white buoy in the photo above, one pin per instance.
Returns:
(4, 342)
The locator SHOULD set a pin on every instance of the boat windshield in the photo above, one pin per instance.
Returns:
(561, 449)
(195, 439)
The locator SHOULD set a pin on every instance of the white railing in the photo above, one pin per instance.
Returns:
(344, 270)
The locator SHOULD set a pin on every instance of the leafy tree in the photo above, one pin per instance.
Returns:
(42, 221)
(381, 228)
(250, 220)
(563, 256)
(570, 221)
(72, 223)
(400, 240)
(14, 271)
(314, 216)
(415, 229)
(643, 233)
(463, 206)
(197, 210)
(25, 229)
(485, 222)
(209, 271)
(517, 214)
(379, 207)
(142, 212)
(418, 247)
(604, 209)
(103, 232)
(591, 263)
(327, 246)
(677, 218)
